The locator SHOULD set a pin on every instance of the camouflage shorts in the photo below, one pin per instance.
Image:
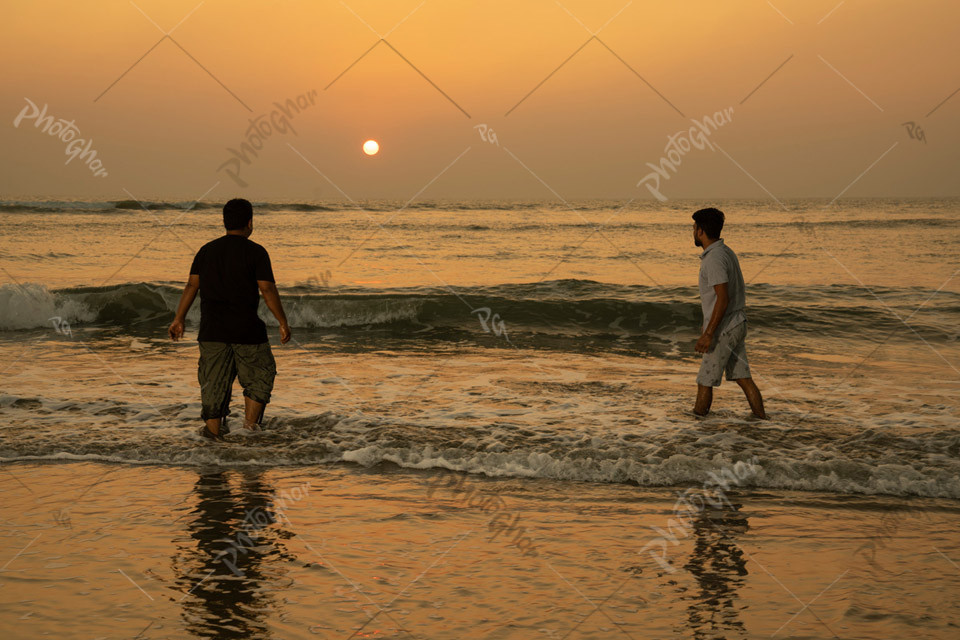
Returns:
(221, 363)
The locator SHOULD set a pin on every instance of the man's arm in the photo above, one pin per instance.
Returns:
(186, 300)
(272, 299)
(723, 299)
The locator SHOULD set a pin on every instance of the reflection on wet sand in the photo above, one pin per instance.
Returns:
(233, 563)
(719, 567)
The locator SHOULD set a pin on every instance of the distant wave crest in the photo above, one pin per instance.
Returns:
(569, 308)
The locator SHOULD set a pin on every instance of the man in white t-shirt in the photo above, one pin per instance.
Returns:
(722, 297)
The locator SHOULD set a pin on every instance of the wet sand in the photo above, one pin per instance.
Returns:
(121, 551)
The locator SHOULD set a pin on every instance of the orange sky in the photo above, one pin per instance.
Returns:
(859, 69)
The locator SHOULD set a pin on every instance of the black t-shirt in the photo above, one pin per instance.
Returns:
(229, 268)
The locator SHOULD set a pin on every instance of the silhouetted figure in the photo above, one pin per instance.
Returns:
(223, 577)
(719, 567)
(230, 274)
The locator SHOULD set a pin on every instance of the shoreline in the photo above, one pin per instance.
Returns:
(175, 552)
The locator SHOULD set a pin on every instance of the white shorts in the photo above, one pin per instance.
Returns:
(727, 353)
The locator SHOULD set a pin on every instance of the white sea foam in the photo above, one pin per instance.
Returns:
(31, 306)
(776, 459)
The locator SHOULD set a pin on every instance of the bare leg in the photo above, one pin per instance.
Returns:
(213, 425)
(253, 413)
(753, 397)
(704, 400)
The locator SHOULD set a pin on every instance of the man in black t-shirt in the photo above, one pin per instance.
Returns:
(230, 273)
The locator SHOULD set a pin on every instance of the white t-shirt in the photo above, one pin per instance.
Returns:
(719, 264)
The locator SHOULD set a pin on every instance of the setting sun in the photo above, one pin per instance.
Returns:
(371, 147)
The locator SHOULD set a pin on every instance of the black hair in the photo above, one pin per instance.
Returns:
(710, 221)
(237, 213)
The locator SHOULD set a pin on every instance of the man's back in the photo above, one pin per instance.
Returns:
(229, 268)
(719, 264)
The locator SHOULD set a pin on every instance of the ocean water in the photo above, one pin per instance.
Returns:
(513, 340)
